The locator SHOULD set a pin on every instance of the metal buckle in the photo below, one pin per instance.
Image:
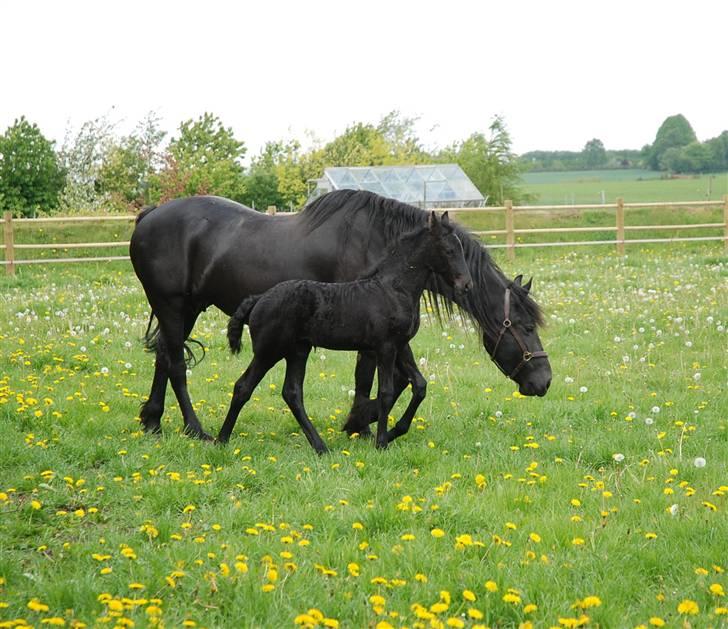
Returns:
(527, 356)
(507, 323)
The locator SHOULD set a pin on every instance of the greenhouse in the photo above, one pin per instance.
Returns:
(439, 185)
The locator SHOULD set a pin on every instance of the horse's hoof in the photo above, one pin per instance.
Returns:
(152, 429)
(382, 444)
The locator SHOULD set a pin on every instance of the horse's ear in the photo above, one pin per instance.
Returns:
(433, 222)
(445, 219)
(517, 280)
(527, 285)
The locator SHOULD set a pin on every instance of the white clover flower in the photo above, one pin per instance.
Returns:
(617, 339)
(699, 461)
(127, 365)
(499, 413)
(568, 380)
(423, 362)
(697, 376)
(655, 410)
(649, 421)
(188, 372)
(104, 370)
(618, 457)
(583, 389)
(688, 343)
(674, 509)
(351, 393)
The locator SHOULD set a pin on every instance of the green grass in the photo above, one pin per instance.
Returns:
(634, 185)
(101, 524)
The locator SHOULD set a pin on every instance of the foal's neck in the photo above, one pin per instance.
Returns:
(407, 269)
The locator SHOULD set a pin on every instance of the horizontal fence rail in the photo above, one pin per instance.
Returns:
(510, 230)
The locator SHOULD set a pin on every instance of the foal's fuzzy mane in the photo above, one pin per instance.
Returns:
(394, 218)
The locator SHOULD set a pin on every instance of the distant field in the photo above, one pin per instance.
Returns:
(634, 185)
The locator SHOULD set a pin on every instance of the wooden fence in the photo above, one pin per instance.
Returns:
(510, 231)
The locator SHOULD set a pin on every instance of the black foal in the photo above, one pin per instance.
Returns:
(378, 313)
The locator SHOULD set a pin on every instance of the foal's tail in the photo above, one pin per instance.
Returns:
(238, 320)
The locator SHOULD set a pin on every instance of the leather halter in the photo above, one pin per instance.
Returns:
(508, 327)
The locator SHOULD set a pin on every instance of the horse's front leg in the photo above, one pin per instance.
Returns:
(385, 369)
(407, 366)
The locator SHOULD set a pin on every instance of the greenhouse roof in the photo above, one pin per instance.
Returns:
(439, 184)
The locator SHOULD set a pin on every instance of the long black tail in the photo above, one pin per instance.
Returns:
(238, 321)
(153, 342)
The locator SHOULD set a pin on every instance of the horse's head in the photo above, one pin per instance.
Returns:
(515, 347)
(448, 259)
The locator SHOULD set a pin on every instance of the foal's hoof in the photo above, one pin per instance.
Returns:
(382, 444)
(152, 428)
(198, 434)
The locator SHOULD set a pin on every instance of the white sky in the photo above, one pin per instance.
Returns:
(559, 72)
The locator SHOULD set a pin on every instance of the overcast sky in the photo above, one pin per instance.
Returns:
(560, 73)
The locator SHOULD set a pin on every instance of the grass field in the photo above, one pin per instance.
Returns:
(634, 185)
(602, 504)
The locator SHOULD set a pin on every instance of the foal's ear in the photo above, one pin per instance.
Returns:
(445, 219)
(432, 221)
(517, 280)
(527, 285)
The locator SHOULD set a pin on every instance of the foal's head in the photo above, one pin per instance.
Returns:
(445, 254)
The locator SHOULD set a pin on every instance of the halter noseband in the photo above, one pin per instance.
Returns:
(508, 327)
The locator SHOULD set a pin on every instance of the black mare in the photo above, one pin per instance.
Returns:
(196, 252)
(379, 313)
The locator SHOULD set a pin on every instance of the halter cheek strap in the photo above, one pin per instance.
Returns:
(507, 326)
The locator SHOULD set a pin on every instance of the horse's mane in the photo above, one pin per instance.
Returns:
(394, 218)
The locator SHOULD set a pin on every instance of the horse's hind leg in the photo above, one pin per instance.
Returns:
(407, 366)
(293, 395)
(172, 330)
(242, 391)
(152, 410)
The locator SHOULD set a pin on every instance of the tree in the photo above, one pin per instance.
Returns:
(31, 177)
(399, 134)
(82, 157)
(129, 165)
(594, 154)
(489, 162)
(204, 159)
(674, 132)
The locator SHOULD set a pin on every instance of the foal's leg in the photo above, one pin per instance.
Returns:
(242, 391)
(172, 330)
(364, 410)
(385, 369)
(293, 394)
(152, 410)
(407, 366)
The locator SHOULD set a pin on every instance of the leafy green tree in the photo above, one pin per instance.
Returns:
(263, 183)
(31, 176)
(718, 152)
(399, 133)
(360, 145)
(205, 158)
(594, 154)
(82, 157)
(129, 165)
(490, 163)
(674, 132)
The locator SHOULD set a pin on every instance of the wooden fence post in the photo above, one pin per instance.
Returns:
(725, 221)
(510, 235)
(620, 226)
(271, 210)
(9, 240)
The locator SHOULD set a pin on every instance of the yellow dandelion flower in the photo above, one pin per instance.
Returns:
(530, 608)
(688, 607)
(514, 599)
(437, 533)
(491, 586)
(717, 589)
(455, 622)
(54, 621)
(36, 606)
(468, 595)
(475, 614)
(534, 537)
(656, 621)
